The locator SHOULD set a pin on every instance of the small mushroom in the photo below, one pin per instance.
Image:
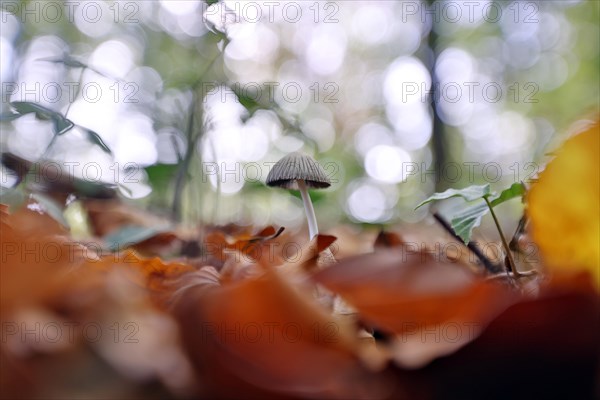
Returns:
(299, 172)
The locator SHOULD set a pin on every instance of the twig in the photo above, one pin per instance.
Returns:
(511, 275)
(213, 152)
(488, 264)
(182, 171)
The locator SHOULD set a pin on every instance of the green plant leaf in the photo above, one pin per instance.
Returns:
(94, 190)
(9, 117)
(130, 235)
(61, 124)
(96, 139)
(26, 107)
(515, 190)
(467, 219)
(469, 193)
(71, 62)
(247, 99)
(66, 60)
(159, 175)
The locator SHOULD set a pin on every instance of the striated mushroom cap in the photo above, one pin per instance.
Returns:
(294, 166)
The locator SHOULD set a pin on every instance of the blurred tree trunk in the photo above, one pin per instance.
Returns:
(438, 139)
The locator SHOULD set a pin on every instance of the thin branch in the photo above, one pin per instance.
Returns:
(76, 90)
(182, 172)
(180, 178)
(487, 263)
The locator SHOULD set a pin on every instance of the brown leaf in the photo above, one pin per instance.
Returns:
(539, 348)
(388, 239)
(82, 313)
(107, 216)
(407, 294)
(260, 337)
(264, 247)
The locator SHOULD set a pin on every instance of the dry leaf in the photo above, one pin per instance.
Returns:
(564, 206)
(262, 338)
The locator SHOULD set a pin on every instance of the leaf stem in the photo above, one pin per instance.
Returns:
(511, 262)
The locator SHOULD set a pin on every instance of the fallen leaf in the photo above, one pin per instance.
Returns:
(262, 338)
(388, 239)
(542, 348)
(409, 293)
(564, 206)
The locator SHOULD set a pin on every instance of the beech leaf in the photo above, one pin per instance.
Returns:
(96, 139)
(467, 219)
(469, 193)
(61, 124)
(515, 190)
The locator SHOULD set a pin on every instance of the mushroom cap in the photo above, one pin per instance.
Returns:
(296, 166)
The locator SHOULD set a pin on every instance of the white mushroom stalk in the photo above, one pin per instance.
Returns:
(313, 229)
(300, 172)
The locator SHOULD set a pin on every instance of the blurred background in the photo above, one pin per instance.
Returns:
(183, 106)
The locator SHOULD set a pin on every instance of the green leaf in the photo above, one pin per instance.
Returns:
(467, 219)
(26, 107)
(61, 124)
(66, 60)
(94, 190)
(469, 194)
(515, 190)
(96, 139)
(9, 117)
(247, 100)
(71, 62)
(130, 235)
(470, 217)
(160, 175)
(51, 208)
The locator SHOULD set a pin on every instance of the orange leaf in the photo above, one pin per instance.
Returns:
(262, 337)
(401, 291)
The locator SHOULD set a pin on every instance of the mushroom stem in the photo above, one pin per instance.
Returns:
(313, 230)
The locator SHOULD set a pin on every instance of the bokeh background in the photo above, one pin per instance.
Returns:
(196, 100)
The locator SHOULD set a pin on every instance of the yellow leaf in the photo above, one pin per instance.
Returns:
(564, 206)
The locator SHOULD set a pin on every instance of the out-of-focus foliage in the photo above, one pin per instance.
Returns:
(357, 75)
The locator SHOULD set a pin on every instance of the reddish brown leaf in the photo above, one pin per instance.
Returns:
(388, 239)
(400, 291)
(260, 337)
(544, 348)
